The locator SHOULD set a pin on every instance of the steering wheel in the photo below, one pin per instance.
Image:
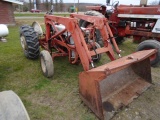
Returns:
(50, 12)
(115, 4)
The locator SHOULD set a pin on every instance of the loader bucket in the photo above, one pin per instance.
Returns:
(110, 87)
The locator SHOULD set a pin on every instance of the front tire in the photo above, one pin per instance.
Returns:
(46, 64)
(29, 42)
(151, 44)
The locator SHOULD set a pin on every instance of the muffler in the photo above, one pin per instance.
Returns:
(112, 86)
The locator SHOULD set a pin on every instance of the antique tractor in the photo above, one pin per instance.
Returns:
(103, 89)
(140, 21)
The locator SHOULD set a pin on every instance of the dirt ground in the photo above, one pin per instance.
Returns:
(147, 106)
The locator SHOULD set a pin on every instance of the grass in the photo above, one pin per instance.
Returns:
(37, 14)
(44, 99)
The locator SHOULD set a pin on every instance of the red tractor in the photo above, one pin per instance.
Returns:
(140, 21)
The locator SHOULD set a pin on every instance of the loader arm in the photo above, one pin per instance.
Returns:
(71, 25)
(102, 25)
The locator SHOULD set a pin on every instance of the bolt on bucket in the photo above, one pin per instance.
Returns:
(109, 87)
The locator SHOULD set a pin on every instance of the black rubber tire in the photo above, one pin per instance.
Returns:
(119, 40)
(151, 44)
(97, 57)
(83, 23)
(46, 64)
(29, 42)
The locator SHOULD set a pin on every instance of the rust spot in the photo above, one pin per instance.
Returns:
(107, 106)
(107, 71)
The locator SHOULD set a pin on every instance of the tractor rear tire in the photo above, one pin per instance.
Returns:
(46, 63)
(29, 42)
(119, 40)
(151, 44)
(84, 24)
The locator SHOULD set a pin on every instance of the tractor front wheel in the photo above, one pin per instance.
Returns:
(46, 63)
(151, 44)
(29, 42)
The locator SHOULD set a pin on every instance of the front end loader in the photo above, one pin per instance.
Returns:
(104, 89)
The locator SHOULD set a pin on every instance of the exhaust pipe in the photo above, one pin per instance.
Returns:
(143, 2)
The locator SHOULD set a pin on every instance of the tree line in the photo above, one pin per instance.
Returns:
(44, 5)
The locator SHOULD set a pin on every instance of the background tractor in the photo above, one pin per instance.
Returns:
(104, 89)
(140, 21)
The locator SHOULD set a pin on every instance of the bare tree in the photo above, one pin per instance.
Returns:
(47, 5)
(61, 5)
(30, 4)
(56, 5)
(52, 1)
(38, 2)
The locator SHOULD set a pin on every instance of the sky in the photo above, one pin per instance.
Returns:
(127, 2)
